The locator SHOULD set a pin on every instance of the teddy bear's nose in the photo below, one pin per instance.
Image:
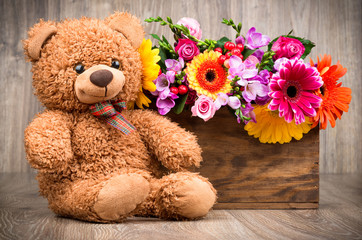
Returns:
(101, 78)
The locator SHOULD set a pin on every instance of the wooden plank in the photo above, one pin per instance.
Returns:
(24, 215)
(265, 205)
(244, 170)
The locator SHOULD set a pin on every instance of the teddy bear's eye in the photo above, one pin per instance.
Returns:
(79, 68)
(115, 64)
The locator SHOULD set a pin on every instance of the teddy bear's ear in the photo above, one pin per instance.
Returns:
(129, 25)
(37, 36)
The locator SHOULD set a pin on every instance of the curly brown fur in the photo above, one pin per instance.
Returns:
(184, 196)
(162, 138)
(87, 41)
(88, 169)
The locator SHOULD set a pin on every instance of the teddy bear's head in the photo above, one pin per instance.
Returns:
(76, 63)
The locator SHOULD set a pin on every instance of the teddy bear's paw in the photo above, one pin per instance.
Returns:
(120, 196)
(188, 198)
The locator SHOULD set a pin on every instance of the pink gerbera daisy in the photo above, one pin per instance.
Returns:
(292, 91)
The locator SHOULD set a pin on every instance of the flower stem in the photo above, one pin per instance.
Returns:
(181, 30)
(232, 24)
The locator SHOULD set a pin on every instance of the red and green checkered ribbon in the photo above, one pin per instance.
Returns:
(110, 111)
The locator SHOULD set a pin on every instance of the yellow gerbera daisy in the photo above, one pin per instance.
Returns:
(270, 128)
(206, 76)
(149, 58)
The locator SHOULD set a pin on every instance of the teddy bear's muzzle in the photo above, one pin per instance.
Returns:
(99, 83)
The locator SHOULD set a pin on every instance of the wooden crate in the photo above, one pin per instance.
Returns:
(250, 175)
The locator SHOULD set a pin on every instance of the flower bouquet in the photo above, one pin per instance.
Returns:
(265, 83)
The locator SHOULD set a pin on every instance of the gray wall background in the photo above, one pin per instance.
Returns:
(335, 27)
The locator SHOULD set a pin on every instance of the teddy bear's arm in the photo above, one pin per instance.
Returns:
(48, 141)
(175, 147)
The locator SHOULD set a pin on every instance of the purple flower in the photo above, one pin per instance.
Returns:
(187, 49)
(264, 77)
(258, 54)
(251, 62)
(164, 94)
(165, 102)
(238, 68)
(221, 100)
(245, 75)
(174, 65)
(170, 75)
(255, 39)
(262, 100)
(249, 113)
(255, 86)
(254, 89)
(234, 102)
(240, 40)
(162, 82)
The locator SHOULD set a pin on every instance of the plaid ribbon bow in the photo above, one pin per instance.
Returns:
(108, 111)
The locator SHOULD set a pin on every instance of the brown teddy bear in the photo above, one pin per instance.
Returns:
(97, 161)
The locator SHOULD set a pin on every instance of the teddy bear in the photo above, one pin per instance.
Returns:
(97, 161)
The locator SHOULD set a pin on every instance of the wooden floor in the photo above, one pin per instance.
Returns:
(24, 215)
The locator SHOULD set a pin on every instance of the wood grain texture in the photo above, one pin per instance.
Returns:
(249, 174)
(24, 215)
(335, 26)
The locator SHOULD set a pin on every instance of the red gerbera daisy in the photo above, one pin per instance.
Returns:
(335, 99)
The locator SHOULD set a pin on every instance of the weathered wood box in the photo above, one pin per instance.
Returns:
(250, 175)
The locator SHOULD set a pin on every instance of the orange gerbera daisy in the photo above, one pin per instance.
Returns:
(335, 99)
(206, 76)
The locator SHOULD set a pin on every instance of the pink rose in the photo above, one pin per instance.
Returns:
(192, 25)
(187, 49)
(288, 47)
(204, 108)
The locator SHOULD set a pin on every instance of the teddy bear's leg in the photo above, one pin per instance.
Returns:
(184, 195)
(106, 199)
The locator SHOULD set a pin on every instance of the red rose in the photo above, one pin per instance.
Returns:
(187, 49)
(287, 47)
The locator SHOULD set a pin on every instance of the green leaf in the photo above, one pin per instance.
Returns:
(247, 52)
(165, 40)
(220, 43)
(269, 66)
(308, 47)
(272, 42)
(180, 104)
(155, 36)
(163, 54)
